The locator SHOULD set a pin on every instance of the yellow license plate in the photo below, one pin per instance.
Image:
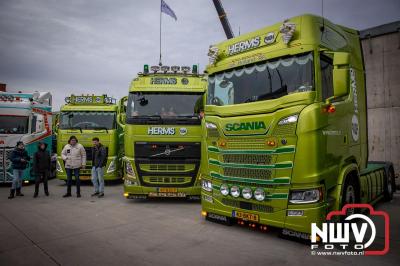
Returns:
(85, 177)
(246, 216)
(167, 190)
(167, 194)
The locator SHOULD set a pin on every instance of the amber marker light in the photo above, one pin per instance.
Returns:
(222, 143)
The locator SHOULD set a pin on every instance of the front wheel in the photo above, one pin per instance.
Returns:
(389, 185)
(350, 195)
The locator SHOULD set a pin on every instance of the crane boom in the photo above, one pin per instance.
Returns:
(223, 18)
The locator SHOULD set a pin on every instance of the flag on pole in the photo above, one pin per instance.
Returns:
(167, 10)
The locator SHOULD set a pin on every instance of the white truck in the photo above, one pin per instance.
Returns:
(24, 117)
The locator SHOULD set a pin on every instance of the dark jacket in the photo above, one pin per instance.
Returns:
(16, 156)
(99, 156)
(42, 160)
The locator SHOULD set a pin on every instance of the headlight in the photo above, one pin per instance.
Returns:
(111, 167)
(58, 167)
(247, 193)
(288, 120)
(211, 125)
(206, 185)
(129, 169)
(259, 194)
(224, 189)
(305, 196)
(235, 191)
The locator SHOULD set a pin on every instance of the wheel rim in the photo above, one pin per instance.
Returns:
(389, 183)
(350, 198)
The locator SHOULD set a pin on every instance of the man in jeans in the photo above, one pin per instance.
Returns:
(99, 161)
(19, 159)
(74, 156)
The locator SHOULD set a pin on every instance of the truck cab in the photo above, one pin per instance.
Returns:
(86, 117)
(163, 133)
(286, 126)
(24, 117)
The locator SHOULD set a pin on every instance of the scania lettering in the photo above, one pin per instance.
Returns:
(24, 117)
(286, 128)
(163, 133)
(245, 126)
(88, 116)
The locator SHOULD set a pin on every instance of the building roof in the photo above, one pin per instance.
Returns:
(384, 29)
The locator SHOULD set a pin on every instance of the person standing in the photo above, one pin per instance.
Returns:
(42, 167)
(19, 159)
(99, 157)
(74, 156)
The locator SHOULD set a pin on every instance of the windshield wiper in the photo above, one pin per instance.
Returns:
(73, 128)
(270, 95)
(147, 116)
(105, 128)
(187, 116)
(282, 91)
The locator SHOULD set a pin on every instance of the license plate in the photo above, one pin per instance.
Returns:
(85, 177)
(246, 216)
(167, 194)
(167, 190)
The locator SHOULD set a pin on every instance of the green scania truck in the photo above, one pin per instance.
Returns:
(286, 127)
(86, 117)
(163, 133)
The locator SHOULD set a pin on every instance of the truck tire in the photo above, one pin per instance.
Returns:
(389, 187)
(350, 194)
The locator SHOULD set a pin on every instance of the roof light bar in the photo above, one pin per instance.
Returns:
(175, 68)
(155, 68)
(185, 69)
(165, 69)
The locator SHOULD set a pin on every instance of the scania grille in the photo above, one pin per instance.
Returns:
(263, 174)
(245, 144)
(247, 205)
(247, 158)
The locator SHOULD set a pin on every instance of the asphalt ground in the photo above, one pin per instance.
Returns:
(116, 231)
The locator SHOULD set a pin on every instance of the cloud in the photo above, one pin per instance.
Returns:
(99, 46)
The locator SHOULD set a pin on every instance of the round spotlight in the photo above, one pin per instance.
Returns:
(259, 194)
(235, 191)
(165, 68)
(224, 189)
(247, 193)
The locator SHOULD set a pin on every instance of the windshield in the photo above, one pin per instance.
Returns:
(262, 81)
(14, 124)
(87, 120)
(165, 108)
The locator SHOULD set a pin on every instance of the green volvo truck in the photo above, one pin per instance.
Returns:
(163, 133)
(86, 117)
(286, 127)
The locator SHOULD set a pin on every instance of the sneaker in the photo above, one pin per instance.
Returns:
(94, 194)
(101, 195)
(78, 195)
(67, 195)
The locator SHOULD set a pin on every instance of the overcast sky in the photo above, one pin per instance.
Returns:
(98, 46)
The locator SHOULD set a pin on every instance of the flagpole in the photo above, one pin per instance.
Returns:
(160, 33)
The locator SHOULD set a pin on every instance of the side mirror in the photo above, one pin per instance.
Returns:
(340, 82)
(341, 74)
